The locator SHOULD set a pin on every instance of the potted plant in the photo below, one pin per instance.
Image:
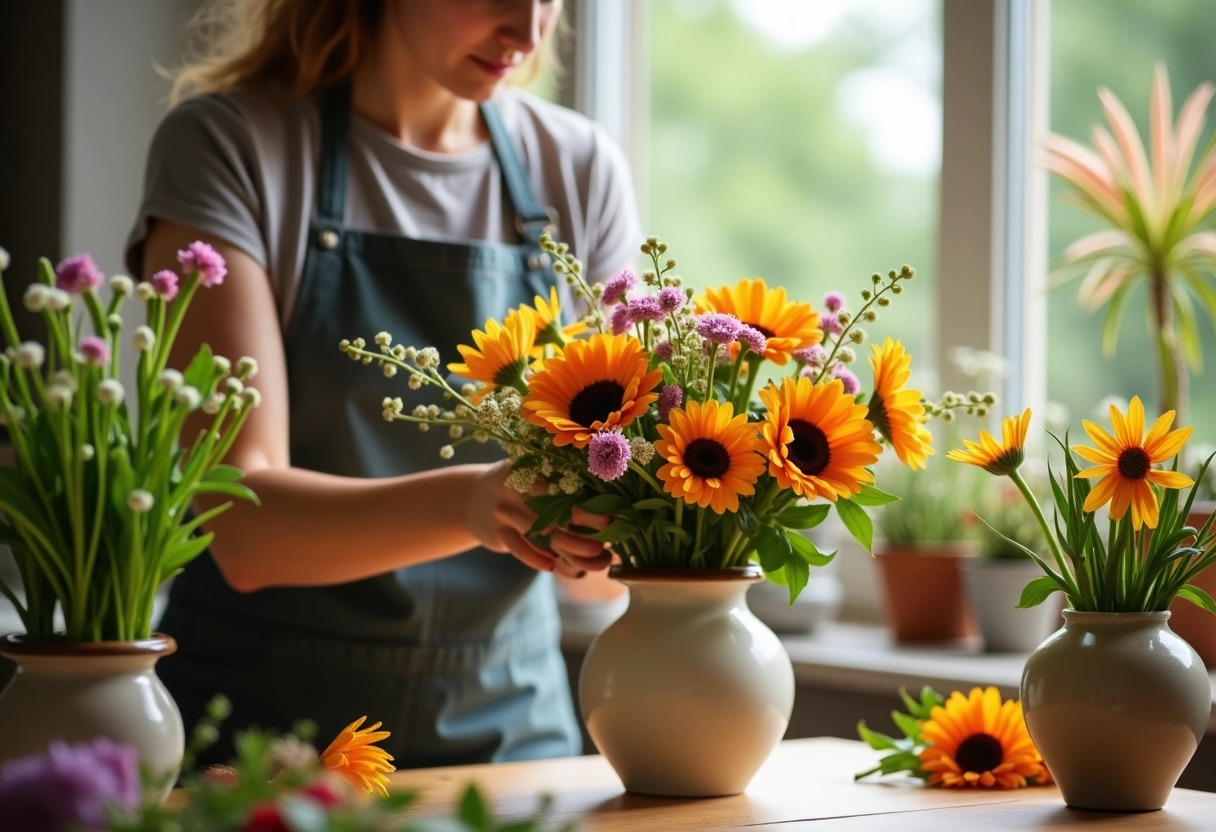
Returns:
(1116, 702)
(95, 505)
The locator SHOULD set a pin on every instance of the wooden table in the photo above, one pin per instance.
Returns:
(805, 785)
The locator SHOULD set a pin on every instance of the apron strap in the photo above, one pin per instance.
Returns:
(531, 218)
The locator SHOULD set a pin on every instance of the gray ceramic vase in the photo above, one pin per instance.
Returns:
(1116, 703)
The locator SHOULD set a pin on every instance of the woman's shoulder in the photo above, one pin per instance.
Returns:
(245, 116)
(552, 125)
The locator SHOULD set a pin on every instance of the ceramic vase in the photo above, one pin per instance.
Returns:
(687, 693)
(924, 598)
(1116, 703)
(994, 588)
(76, 692)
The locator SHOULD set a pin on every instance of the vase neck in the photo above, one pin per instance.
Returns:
(1115, 620)
(692, 591)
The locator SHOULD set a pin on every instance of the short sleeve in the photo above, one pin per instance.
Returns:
(612, 210)
(200, 174)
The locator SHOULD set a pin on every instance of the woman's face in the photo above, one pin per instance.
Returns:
(469, 46)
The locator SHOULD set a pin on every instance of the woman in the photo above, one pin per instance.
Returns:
(362, 166)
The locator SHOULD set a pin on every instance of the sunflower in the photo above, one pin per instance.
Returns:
(711, 455)
(979, 741)
(501, 353)
(353, 755)
(547, 315)
(817, 439)
(895, 411)
(1125, 463)
(594, 385)
(786, 325)
(998, 458)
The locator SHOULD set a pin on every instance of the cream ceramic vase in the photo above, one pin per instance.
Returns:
(687, 693)
(80, 691)
(1117, 704)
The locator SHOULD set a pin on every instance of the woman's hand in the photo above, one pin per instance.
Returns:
(498, 517)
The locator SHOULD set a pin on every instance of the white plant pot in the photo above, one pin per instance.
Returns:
(994, 588)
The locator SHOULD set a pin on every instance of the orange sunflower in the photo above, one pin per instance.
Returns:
(817, 439)
(787, 325)
(353, 755)
(594, 385)
(978, 741)
(501, 353)
(712, 455)
(896, 411)
(547, 315)
(1125, 463)
(998, 458)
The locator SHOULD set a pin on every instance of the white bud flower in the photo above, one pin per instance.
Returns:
(110, 391)
(120, 284)
(36, 296)
(86, 452)
(4, 258)
(253, 397)
(57, 299)
(115, 321)
(383, 339)
(171, 379)
(13, 417)
(246, 368)
(144, 338)
(233, 385)
(30, 355)
(144, 290)
(447, 452)
(58, 396)
(223, 365)
(213, 404)
(414, 383)
(188, 397)
(65, 378)
(390, 370)
(140, 501)
(456, 431)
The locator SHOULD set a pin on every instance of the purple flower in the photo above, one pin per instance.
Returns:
(753, 339)
(68, 787)
(664, 350)
(814, 354)
(671, 396)
(670, 299)
(608, 455)
(78, 274)
(646, 308)
(830, 324)
(620, 321)
(164, 283)
(809, 371)
(718, 327)
(617, 285)
(851, 383)
(95, 350)
(833, 301)
(202, 258)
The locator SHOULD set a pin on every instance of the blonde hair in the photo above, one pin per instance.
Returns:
(291, 47)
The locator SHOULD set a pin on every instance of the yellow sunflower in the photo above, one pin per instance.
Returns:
(1125, 463)
(501, 353)
(896, 411)
(817, 439)
(353, 755)
(597, 384)
(712, 455)
(547, 315)
(998, 458)
(787, 325)
(978, 741)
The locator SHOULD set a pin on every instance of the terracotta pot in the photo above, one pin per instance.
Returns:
(76, 692)
(687, 693)
(1197, 626)
(925, 599)
(1116, 703)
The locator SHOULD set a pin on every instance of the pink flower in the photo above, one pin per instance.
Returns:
(851, 383)
(265, 817)
(620, 320)
(830, 324)
(164, 283)
(68, 787)
(670, 299)
(664, 350)
(753, 339)
(78, 274)
(671, 396)
(95, 350)
(718, 327)
(834, 301)
(814, 354)
(617, 285)
(645, 308)
(608, 455)
(202, 258)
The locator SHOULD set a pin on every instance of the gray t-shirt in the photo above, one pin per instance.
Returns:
(244, 168)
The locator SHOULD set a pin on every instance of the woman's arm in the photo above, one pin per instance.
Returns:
(313, 528)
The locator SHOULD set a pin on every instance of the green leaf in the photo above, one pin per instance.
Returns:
(605, 504)
(803, 517)
(907, 723)
(1037, 591)
(857, 522)
(796, 574)
(223, 473)
(1198, 597)
(232, 489)
(871, 496)
(747, 520)
(808, 551)
(876, 740)
(201, 374)
(653, 504)
(618, 530)
(473, 810)
(773, 547)
(551, 510)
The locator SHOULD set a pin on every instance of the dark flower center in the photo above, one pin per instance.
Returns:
(1134, 463)
(595, 402)
(707, 458)
(809, 449)
(979, 753)
(765, 331)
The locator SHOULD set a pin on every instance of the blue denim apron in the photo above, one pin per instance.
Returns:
(459, 657)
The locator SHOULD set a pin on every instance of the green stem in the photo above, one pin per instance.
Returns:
(1016, 476)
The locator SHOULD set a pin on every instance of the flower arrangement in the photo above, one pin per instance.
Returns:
(96, 505)
(644, 412)
(275, 784)
(1149, 553)
(1159, 213)
(972, 741)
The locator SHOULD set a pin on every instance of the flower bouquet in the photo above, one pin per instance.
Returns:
(1115, 700)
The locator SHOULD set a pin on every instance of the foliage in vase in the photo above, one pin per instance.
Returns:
(654, 411)
(95, 505)
(1146, 553)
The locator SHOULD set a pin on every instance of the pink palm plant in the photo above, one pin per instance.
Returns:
(1160, 211)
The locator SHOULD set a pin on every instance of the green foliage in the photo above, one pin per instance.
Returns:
(905, 751)
(935, 504)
